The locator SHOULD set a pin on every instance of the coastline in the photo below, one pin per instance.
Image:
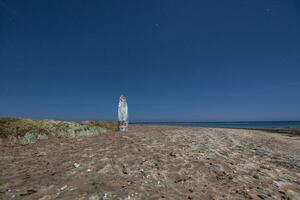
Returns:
(292, 131)
(153, 162)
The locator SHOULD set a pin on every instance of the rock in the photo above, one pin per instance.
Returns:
(256, 176)
(172, 154)
(76, 165)
(28, 192)
(63, 187)
(261, 196)
(106, 169)
(42, 153)
(288, 190)
(292, 194)
(46, 197)
(124, 169)
(267, 167)
(94, 197)
(182, 179)
(42, 137)
(107, 196)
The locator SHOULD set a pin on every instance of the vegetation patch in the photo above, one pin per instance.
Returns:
(28, 131)
(109, 125)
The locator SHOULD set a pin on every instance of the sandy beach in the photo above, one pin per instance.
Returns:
(155, 162)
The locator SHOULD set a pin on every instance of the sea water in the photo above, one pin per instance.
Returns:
(242, 124)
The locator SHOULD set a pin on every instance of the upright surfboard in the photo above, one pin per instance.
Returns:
(123, 114)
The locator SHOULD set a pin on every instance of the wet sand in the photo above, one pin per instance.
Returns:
(155, 162)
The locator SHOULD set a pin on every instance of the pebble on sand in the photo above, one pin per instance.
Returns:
(76, 165)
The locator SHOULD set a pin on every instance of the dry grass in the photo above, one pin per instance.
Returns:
(109, 125)
(25, 131)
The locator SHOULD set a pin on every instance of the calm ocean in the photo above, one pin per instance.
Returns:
(252, 124)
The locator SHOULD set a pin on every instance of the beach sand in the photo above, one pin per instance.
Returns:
(155, 162)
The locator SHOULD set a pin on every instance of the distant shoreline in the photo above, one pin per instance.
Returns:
(288, 131)
(233, 124)
(272, 127)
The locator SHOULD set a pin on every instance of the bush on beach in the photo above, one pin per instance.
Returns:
(28, 131)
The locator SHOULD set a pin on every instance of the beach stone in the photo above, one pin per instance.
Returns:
(63, 187)
(94, 197)
(42, 137)
(256, 176)
(107, 196)
(42, 153)
(76, 165)
(107, 169)
(46, 197)
(292, 194)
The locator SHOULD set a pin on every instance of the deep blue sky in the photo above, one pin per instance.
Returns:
(173, 60)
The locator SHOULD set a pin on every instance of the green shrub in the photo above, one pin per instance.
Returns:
(27, 131)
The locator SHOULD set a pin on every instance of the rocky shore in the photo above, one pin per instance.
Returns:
(155, 162)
